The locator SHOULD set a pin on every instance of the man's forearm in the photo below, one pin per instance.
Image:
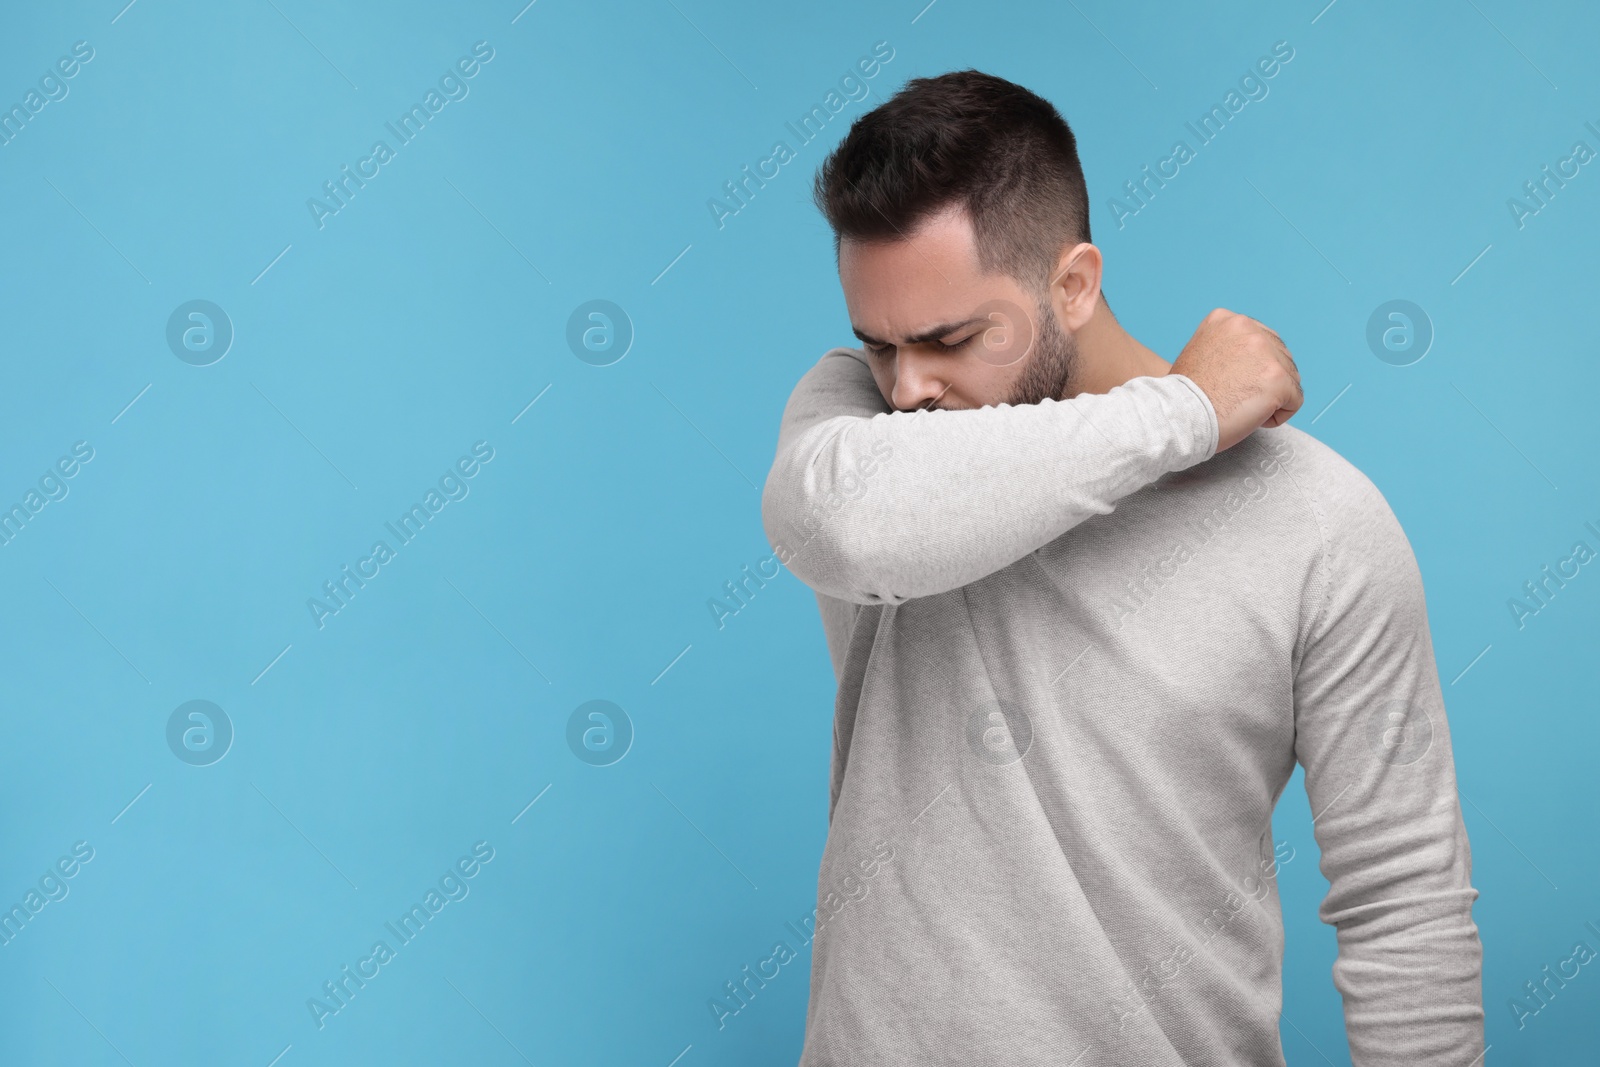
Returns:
(875, 506)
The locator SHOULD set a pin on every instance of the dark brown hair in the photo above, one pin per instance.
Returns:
(1003, 152)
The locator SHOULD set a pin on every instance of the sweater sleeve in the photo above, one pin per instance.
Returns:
(1371, 733)
(876, 506)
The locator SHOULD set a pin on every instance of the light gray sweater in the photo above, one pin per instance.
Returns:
(1078, 655)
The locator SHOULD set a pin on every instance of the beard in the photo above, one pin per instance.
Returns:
(1049, 366)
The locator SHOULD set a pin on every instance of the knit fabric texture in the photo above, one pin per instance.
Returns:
(1078, 655)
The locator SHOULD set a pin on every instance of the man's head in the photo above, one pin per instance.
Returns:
(960, 203)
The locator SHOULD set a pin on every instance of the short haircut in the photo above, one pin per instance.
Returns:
(1003, 152)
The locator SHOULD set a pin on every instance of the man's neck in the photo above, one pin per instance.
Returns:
(1108, 356)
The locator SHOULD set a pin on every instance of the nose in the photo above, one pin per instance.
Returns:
(916, 380)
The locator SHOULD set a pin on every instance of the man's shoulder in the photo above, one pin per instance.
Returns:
(1345, 499)
(1287, 485)
(1361, 537)
(1330, 532)
(1324, 483)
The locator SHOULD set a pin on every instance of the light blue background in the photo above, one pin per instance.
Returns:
(430, 311)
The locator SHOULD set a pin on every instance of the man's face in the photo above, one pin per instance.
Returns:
(939, 333)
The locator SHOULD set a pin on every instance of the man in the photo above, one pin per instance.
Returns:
(1081, 643)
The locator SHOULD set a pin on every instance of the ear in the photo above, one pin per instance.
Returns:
(1074, 288)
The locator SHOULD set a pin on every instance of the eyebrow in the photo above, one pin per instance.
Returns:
(927, 335)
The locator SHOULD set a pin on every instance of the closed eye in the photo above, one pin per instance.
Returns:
(956, 346)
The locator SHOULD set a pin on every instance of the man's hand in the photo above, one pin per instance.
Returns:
(1245, 371)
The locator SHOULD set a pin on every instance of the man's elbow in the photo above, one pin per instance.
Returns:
(824, 553)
